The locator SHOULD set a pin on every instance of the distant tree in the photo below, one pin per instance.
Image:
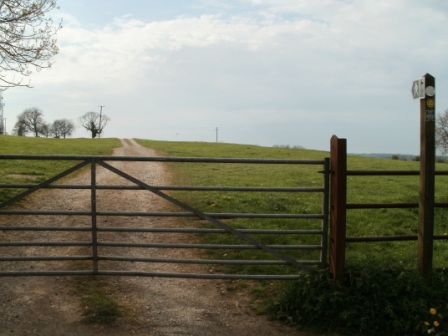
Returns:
(27, 39)
(32, 120)
(94, 122)
(62, 128)
(45, 129)
(442, 132)
(20, 128)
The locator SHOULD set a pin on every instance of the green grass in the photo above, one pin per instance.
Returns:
(31, 145)
(34, 171)
(97, 300)
(252, 175)
(361, 189)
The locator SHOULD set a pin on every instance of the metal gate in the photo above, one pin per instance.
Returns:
(79, 242)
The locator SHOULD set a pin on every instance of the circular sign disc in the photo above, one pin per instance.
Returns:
(430, 91)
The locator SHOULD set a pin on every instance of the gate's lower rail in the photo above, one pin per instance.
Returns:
(62, 249)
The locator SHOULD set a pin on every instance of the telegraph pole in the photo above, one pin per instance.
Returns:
(2, 119)
(100, 126)
(216, 134)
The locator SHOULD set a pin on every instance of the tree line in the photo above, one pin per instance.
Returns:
(442, 132)
(32, 121)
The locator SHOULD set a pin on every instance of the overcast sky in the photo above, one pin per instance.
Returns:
(264, 72)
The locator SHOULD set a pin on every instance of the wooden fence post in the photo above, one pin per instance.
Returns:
(427, 180)
(338, 206)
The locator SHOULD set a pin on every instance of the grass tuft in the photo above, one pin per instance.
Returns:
(97, 301)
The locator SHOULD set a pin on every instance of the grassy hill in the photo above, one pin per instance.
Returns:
(375, 289)
(375, 189)
(361, 189)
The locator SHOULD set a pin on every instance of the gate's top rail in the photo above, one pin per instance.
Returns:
(158, 159)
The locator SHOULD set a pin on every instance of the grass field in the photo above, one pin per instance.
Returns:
(27, 171)
(382, 294)
(361, 189)
(375, 189)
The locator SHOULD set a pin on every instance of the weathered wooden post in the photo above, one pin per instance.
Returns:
(338, 206)
(424, 89)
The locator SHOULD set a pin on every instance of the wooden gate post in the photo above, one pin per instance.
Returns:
(338, 206)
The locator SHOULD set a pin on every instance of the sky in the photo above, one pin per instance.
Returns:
(259, 72)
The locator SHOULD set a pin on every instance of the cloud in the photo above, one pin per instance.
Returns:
(264, 71)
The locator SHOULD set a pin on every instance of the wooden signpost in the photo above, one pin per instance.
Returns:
(424, 89)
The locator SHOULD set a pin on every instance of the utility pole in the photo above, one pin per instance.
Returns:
(216, 134)
(100, 126)
(2, 119)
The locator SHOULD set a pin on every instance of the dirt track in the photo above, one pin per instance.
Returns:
(151, 306)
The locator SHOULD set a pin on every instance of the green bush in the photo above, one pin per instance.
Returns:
(370, 302)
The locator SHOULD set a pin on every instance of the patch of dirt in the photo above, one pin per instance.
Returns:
(151, 305)
(29, 176)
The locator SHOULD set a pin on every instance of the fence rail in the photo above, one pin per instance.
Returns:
(339, 207)
(363, 206)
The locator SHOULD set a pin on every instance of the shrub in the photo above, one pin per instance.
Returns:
(370, 302)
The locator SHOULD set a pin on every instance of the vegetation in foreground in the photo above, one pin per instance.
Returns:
(371, 301)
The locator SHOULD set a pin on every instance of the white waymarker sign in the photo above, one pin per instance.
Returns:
(418, 88)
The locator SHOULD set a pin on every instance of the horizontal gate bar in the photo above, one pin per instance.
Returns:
(46, 228)
(208, 261)
(158, 159)
(154, 230)
(160, 245)
(209, 246)
(45, 258)
(160, 260)
(157, 214)
(43, 244)
(248, 231)
(154, 275)
(177, 188)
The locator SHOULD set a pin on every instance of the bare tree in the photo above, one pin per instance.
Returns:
(32, 119)
(20, 128)
(27, 39)
(62, 128)
(45, 129)
(442, 132)
(94, 122)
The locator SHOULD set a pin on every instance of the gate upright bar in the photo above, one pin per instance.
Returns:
(94, 217)
(325, 206)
